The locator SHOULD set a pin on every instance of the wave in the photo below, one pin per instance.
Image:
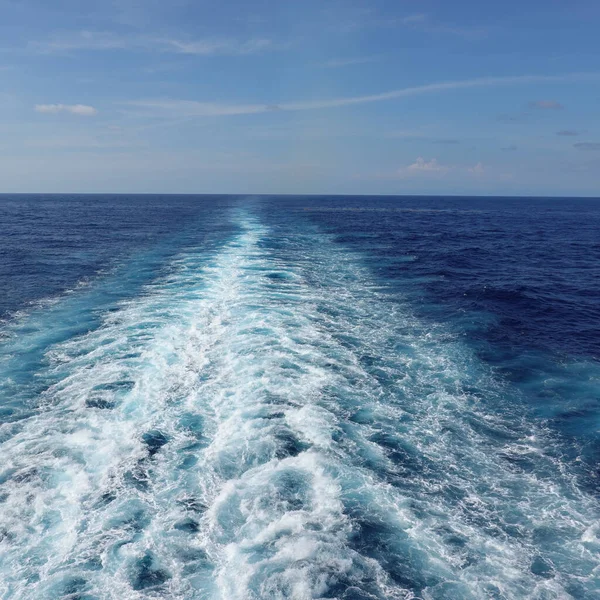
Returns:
(265, 421)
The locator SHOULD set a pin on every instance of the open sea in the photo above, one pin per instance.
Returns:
(243, 398)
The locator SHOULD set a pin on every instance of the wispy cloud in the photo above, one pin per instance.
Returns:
(353, 21)
(218, 46)
(448, 142)
(191, 108)
(525, 115)
(510, 148)
(79, 142)
(373, 20)
(567, 133)
(75, 109)
(106, 40)
(83, 40)
(412, 19)
(513, 118)
(546, 105)
(478, 169)
(408, 134)
(428, 24)
(336, 63)
(588, 146)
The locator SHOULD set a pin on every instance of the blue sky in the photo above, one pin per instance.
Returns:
(343, 96)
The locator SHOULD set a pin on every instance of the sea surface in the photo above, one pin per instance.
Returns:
(241, 398)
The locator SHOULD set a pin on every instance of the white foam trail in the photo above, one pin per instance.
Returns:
(266, 423)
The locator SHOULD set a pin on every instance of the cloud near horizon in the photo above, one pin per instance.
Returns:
(75, 109)
(423, 166)
(433, 168)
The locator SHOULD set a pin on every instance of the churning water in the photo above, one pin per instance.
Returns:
(223, 398)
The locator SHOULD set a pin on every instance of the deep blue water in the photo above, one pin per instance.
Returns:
(209, 397)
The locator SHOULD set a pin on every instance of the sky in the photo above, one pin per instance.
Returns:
(294, 97)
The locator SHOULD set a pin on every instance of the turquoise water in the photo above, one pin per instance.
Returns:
(302, 398)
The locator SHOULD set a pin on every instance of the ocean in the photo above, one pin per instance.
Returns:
(240, 398)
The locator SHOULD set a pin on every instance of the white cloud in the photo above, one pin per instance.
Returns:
(75, 109)
(478, 169)
(423, 166)
(191, 108)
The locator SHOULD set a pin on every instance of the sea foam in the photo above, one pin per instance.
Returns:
(265, 421)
